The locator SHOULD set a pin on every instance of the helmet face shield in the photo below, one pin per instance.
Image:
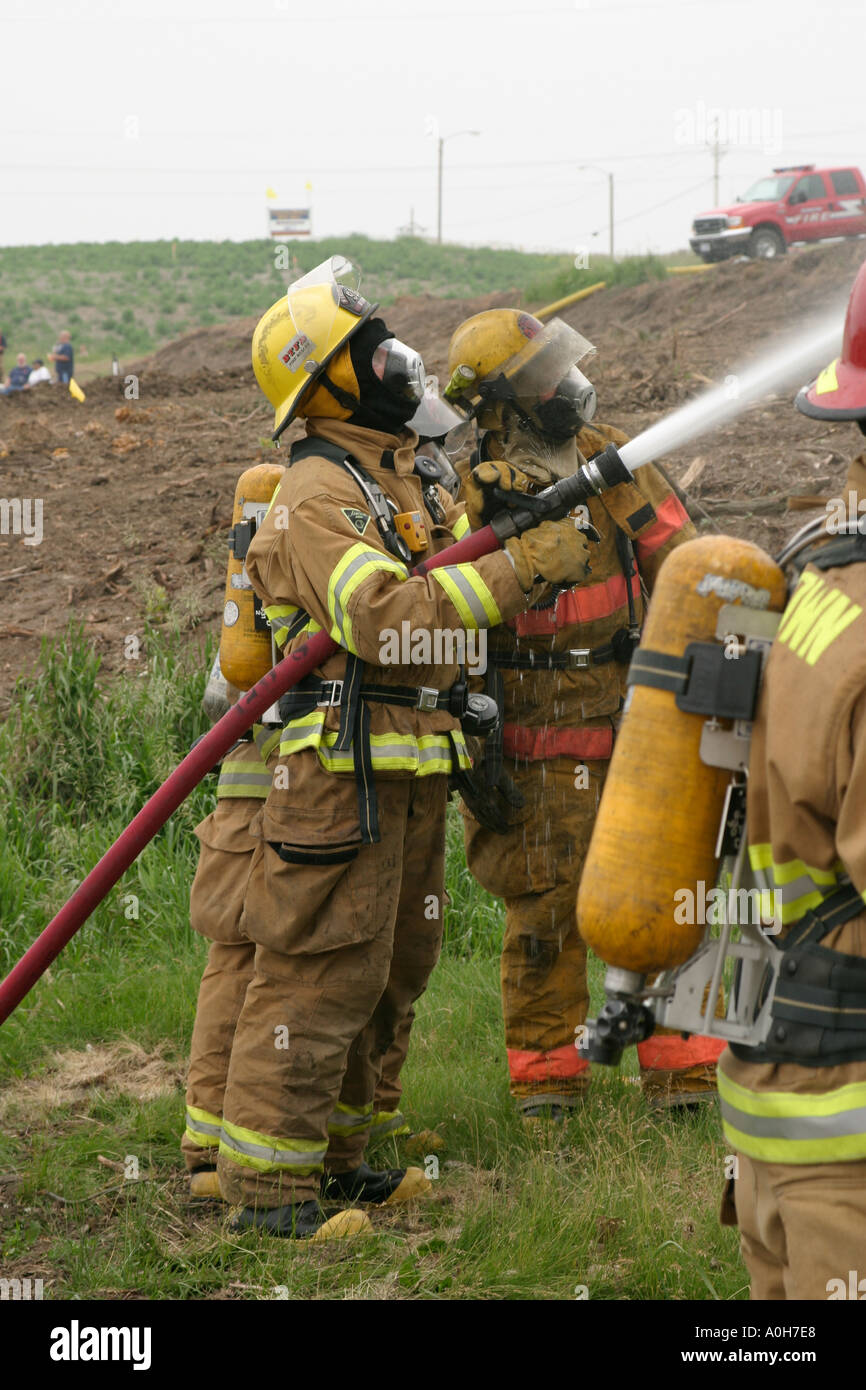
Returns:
(460, 441)
(400, 370)
(434, 417)
(541, 380)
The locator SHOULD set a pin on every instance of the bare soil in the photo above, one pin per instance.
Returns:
(137, 494)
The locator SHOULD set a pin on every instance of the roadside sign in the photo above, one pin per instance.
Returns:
(289, 222)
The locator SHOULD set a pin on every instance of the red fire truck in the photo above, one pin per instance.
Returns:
(797, 203)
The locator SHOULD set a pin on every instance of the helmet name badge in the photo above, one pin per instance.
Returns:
(296, 352)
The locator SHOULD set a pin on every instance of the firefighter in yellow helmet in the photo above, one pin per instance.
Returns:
(344, 899)
(219, 886)
(794, 1108)
(559, 669)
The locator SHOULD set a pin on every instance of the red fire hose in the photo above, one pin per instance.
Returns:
(521, 513)
(187, 775)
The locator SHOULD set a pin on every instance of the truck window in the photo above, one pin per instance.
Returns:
(768, 190)
(812, 186)
(844, 181)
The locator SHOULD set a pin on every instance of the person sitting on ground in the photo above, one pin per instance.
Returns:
(39, 373)
(18, 375)
(62, 358)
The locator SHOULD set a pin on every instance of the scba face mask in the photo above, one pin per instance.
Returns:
(572, 404)
(390, 378)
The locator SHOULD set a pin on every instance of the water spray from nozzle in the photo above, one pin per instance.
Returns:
(783, 366)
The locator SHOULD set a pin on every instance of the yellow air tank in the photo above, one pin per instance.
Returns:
(656, 829)
(245, 641)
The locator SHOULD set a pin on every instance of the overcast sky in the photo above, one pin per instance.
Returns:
(135, 121)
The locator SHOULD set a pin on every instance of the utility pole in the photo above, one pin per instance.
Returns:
(610, 210)
(441, 142)
(439, 195)
(609, 177)
(717, 155)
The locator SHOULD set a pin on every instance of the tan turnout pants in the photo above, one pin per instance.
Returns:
(536, 868)
(343, 948)
(802, 1228)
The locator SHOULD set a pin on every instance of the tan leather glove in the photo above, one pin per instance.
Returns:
(556, 550)
(492, 473)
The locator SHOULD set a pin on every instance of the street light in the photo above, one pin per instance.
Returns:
(609, 177)
(442, 139)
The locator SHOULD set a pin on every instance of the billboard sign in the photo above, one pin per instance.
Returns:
(285, 222)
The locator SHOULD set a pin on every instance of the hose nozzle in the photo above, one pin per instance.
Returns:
(524, 510)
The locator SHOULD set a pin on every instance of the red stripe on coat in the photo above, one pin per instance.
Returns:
(584, 605)
(535, 744)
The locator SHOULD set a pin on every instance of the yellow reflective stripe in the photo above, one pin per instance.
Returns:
(202, 1127)
(397, 753)
(827, 380)
(781, 1127)
(249, 775)
(788, 890)
(761, 857)
(267, 1154)
(348, 1119)
(266, 740)
(279, 616)
(469, 594)
(816, 615)
(273, 497)
(358, 564)
(388, 1122)
(423, 755)
(304, 732)
(461, 527)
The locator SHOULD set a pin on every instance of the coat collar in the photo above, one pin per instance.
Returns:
(369, 446)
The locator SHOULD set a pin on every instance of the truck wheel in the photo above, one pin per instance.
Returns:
(766, 244)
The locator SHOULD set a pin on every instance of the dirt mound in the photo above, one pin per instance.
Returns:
(138, 493)
(223, 347)
(205, 353)
(122, 1068)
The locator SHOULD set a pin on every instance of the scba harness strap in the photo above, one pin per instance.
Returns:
(352, 693)
(818, 1013)
(848, 549)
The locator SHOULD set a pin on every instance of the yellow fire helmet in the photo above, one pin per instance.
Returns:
(505, 356)
(300, 334)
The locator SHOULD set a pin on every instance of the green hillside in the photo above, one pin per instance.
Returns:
(131, 297)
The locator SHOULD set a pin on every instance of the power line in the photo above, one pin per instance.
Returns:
(311, 171)
(283, 15)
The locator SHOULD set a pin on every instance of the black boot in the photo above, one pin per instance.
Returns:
(300, 1221)
(365, 1185)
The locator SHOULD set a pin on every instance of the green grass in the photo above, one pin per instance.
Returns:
(621, 1202)
(130, 297)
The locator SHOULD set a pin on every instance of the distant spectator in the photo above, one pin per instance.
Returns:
(39, 373)
(2, 350)
(62, 358)
(19, 376)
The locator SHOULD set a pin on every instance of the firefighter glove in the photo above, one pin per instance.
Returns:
(479, 485)
(556, 550)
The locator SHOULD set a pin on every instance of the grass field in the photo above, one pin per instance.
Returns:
(621, 1204)
(130, 298)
